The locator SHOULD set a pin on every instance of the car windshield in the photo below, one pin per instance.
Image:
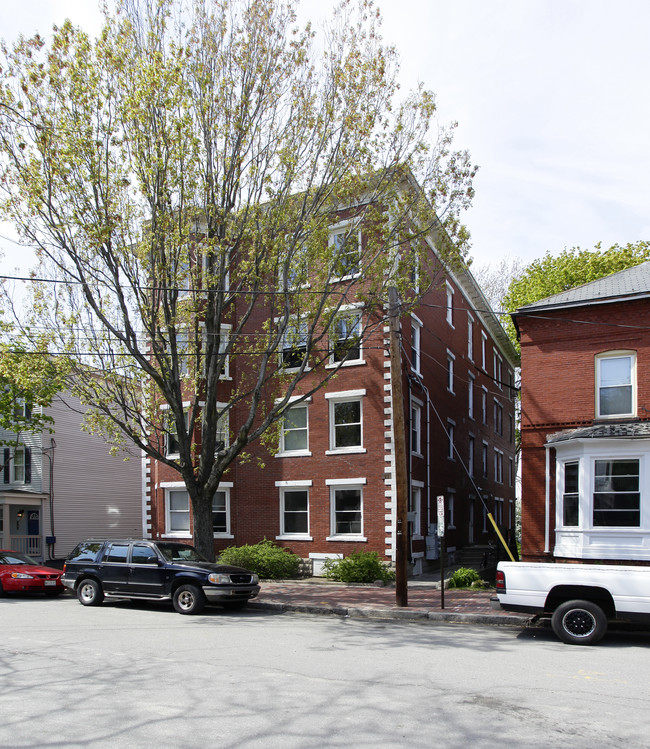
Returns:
(180, 553)
(15, 557)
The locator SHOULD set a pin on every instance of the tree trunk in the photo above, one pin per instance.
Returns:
(203, 536)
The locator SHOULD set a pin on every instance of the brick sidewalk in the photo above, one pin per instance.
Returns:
(334, 598)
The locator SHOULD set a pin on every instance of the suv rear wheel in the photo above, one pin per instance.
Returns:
(188, 599)
(89, 592)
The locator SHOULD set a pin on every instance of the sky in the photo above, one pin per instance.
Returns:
(551, 100)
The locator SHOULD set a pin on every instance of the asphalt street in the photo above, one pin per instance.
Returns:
(136, 675)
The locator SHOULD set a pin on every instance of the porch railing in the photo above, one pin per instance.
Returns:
(27, 545)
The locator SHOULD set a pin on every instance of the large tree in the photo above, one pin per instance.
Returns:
(179, 176)
(573, 267)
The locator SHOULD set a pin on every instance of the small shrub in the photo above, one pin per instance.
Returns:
(358, 567)
(268, 560)
(464, 577)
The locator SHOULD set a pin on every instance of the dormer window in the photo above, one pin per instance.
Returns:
(616, 384)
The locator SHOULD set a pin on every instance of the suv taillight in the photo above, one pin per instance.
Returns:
(501, 582)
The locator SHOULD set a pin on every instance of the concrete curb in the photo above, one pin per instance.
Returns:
(419, 615)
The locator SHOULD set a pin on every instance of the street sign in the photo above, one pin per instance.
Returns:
(441, 515)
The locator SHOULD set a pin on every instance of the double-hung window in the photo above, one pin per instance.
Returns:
(416, 428)
(615, 384)
(346, 506)
(451, 428)
(415, 509)
(571, 494)
(294, 344)
(221, 512)
(450, 371)
(223, 358)
(294, 437)
(416, 344)
(294, 508)
(470, 395)
(345, 246)
(172, 446)
(450, 304)
(346, 338)
(177, 512)
(17, 465)
(346, 421)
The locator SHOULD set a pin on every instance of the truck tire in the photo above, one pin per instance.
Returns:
(579, 622)
(89, 592)
(188, 599)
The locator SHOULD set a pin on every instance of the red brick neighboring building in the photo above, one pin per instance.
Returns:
(585, 431)
(329, 489)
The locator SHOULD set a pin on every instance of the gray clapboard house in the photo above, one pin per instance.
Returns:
(61, 487)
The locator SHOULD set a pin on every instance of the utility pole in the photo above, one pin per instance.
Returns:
(399, 447)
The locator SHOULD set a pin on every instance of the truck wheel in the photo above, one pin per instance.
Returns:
(579, 622)
(89, 592)
(188, 599)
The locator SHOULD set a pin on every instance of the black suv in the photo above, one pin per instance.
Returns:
(157, 571)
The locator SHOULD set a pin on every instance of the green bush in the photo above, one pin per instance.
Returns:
(464, 577)
(268, 560)
(358, 567)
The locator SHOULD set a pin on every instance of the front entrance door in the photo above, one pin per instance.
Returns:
(34, 533)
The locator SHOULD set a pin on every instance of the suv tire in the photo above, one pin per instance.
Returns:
(89, 592)
(188, 599)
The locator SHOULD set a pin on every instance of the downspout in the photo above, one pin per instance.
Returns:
(547, 502)
(51, 539)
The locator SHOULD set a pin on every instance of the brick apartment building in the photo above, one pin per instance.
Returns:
(585, 359)
(327, 487)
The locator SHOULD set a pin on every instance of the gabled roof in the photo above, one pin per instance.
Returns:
(628, 284)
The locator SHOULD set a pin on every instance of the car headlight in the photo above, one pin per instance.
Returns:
(218, 578)
(255, 579)
(22, 576)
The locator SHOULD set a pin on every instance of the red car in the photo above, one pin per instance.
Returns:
(18, 572)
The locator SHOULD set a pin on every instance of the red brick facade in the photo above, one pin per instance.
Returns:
(561, 345)
(255, 486)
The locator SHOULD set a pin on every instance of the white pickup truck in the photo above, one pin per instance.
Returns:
(579, 598)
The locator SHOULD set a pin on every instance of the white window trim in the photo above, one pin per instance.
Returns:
(471, 384)
(470, 337)
(484, 351)
(416, 325)
(449, 301)
(417, 514)
(20, 449)
(294, 484)
(282, 453)
(343, 227)
(226, 486)
(349, 310)
(226, 330)
(451, 359)
(168, 486)
(451, 502)
(419, 406)
(616, 354)
(451, 439)
(357, 483)
(341, 396)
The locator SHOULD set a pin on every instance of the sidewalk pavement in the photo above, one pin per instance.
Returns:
(320, 596)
